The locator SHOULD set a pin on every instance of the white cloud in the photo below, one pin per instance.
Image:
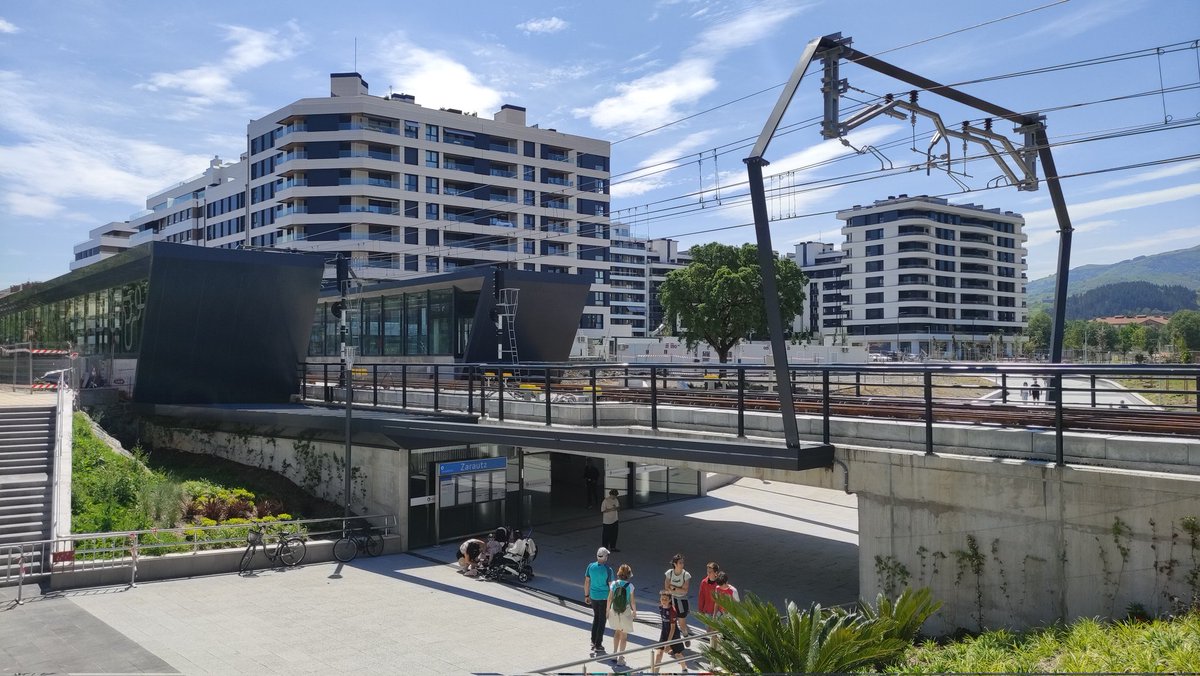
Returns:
(654, 171)
(1082, 20)
(213, 83)
(435, 78)
(51, 161)
(8, 26)
(1178, 238)
(660, 97)
(551, 24)
(1147, 176)
(1081, 211)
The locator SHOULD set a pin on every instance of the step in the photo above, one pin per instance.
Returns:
(21, 469)
(24, 526)
(18, 493)
(41, 446)
(31, 506)
(21, 537)
(18, 457)
(31, 516)
(33, 480)
(26, 432)
(8, 452)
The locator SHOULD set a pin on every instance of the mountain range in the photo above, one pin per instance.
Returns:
(1180, 267)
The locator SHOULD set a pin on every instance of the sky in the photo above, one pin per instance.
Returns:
(105, 102)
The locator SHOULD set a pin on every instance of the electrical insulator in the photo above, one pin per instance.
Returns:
(987, 124)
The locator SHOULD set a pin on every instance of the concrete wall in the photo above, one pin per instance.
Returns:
(1019, 543)
(379, 483)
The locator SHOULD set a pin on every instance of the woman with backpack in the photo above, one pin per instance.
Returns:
(621, 610)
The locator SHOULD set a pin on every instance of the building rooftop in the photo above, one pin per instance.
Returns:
(896, 200)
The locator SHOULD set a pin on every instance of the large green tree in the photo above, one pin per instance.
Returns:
(1037, 333)
(718, 298)
(1184, 328)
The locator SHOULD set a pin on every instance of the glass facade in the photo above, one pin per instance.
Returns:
(107, 322)
(421, 323)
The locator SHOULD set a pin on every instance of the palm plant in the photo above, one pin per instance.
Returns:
(756, 639)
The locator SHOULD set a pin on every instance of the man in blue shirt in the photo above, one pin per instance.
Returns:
(595, 594)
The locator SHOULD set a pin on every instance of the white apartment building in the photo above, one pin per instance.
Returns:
(934, 279)
(825, 301)
(404, 191)
(103, 242)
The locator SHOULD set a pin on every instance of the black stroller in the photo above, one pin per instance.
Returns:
(516, 561)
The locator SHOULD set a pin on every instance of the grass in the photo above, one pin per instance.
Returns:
(1176, 392)
(1086, 646)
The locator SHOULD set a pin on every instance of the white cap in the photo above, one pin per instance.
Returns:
(602, 553)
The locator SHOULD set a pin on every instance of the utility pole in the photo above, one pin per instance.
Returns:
(342, 266)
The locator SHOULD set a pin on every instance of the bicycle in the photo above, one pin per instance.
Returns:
(364, 539)
(289, 549)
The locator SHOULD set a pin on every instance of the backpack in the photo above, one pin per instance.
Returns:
(620, 599)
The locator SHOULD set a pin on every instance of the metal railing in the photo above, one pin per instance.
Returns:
(1001, 393)
(79, 552)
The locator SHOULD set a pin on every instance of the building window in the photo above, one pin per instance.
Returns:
(874, 266)
(411, 129)
(944, 312)
(877, 233)
(431, 132)
(943, 297)
(431, 185)
(944, 249)
(431, 264)
(874, 250)
(529, 149)
(874, 282)
(410, 209)
(530, 173)
(875, 298)
(431, 158)
(530, 222)
(944, 266)
(874, 313)
(431, 212)
(944, 233)
(410, 182)
(530, 197)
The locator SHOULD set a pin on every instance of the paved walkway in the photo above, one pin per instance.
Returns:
(412, 613)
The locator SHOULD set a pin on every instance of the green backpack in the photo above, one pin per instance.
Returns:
(620, 600)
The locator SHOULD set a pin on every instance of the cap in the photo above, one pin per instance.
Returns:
(602, 553)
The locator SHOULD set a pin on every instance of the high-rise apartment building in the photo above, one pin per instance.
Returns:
(934, 279)
(825, 301)
(402, 191)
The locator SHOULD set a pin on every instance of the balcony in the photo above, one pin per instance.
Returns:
(502, 222)
(556, 156)
(456, 166)
(351, 209)
(288, 157)
(291, 129)
(556, 227)
(559, 181)
(373, 154)
(291, 183)
(504, 173)
(556, 204)
(458, 218)
(503, 148)
(367, 126)
(501, 197)
(377, 182)
(288, 211)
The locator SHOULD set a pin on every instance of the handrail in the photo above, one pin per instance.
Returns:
(558, 668)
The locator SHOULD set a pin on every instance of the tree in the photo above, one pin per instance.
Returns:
(1184, 328)
(1038, 331)
(718, 298)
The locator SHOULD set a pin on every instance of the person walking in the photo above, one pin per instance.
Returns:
(621, 610)
(676, 582)
(591, 482)
(666, 613)
(610, 516)
(1036, 391)
(596, 579)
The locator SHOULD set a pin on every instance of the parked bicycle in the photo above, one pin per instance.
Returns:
(351, 543)
(289, 548)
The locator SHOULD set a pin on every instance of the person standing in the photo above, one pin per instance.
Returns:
(609, 514)
(724, 590)
(1025, 392)
(708, 586)
(677, 581)
(596, 579)
(666, 612)
(1036, 391)
(591, 482)
(621, 610)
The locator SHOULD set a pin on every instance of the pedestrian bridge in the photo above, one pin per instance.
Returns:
(1009, 524)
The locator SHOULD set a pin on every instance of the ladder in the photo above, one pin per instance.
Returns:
(506, 307)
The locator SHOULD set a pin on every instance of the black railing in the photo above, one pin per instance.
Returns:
(1140, 399)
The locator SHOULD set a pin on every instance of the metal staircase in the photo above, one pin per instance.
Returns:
(27, 436)
(506, 308)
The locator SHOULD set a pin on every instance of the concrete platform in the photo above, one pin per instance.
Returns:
(414, 614)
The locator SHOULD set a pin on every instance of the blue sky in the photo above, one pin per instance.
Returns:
(106, 102)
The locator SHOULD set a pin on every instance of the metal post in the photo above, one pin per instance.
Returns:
(928, 412)
(546, 390)
(325, 384)
(404, 386)
(1064, 244)
(741, 401)
(1093, 390)
(653, 398)
(1003, 388)
(766, 264)
(825, 424)
(436, 385)
(471, 390)
(133, 553)
(343, 279)
(1058, 420)
(858, 383)
(500, 393)
(1197, 393)
(595, 397)
(375, 385)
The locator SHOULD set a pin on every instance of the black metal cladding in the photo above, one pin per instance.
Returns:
(225, 326)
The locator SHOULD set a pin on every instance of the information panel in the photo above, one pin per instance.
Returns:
(464, 482)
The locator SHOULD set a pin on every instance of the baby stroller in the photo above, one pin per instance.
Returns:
(517, 560)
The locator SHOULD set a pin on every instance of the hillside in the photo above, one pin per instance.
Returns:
(1180, 267)
(1131, 298)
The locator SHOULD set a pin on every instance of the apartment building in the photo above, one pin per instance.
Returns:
(826, 301)
(929, 278)
(103, 242)
(403, 191)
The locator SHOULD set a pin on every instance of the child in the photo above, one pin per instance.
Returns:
(724, 590)
(622, 612)
(676, 582)
(666, 612)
